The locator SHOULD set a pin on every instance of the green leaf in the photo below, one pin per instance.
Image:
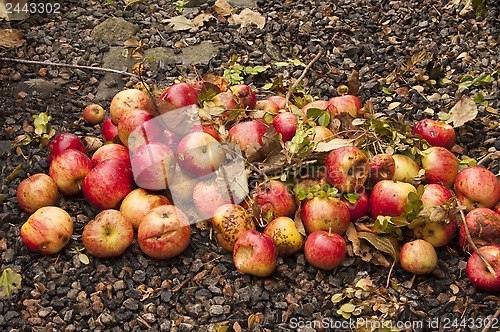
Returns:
(9, 281)
(14, 173)
(324, 119)
(336, 298)
(351, 197)
(314, 112)
(380, 243)
(386, 91)
(84, 259)
(413, 197)
(281, 64)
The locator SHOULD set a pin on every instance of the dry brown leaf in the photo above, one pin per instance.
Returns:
(223, 8)
(202, 18)
(353, 83)
(333, 144)
(352, 235)
(179, 23)
(465, 110)
(131, 42)
(11, 38)
(248, 16)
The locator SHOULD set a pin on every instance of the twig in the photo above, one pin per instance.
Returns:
(491, 154)
(53, 64)
(297, 82)
(176, 289)
(474, 247)
(490, 321)
(389, 276)
(140, 319)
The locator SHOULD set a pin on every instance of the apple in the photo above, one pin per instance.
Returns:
(285, 124)
(181, 187)
(47, 230)
(109, 131)
(63, 142)
(477, 272)
(360, 207)
(170, 139)
(164, 232)
(137, 127)
(321, 134)
(244, 95)
(406, 169)
(68, 170)
(285, 235)
(435, 195)
(210, 129)
(229, 222)
(477, 187)
(320, 104)
(153, 166)
(268, 106)
(389, 197)
(325, 250)
(275, 197)
(225, 99)
(36, 191)
(325, 213)
(107, 184)
(484, 228)
(346, 168)
(255, 253)
(180, 95)
(436, 133)
(346, 104)
(125, 101)
(440, 165)
(418, 257)
(94, 114)
(108, 235)
(111, 151)
(381, 167)
(200, 154)
(138, 203)
(208, 196)
(248, 132)
(278, 100)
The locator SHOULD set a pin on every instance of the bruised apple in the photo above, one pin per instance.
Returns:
(346, 168)
(285, 235)
(276, 198)
(127, 100)
(248, 132)
(36, 191)
(381, 167)
(138, 203)
(153, 166)
(484, 228)
(477, 187)
(255, 253)
(229, 222)
(244, 95)
(406, 169)
(436, 133)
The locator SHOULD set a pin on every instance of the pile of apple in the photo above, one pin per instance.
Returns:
(149, 157)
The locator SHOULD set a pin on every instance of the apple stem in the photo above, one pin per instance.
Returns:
(490, 321)
(474, 247)
(297, 82)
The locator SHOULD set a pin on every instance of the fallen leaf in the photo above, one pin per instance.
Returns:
(333, 144)
(465, 110)
(9, 280)
(179, 23)
(132, 2)
(11, 38)
(202, 18)
(353, 83)
(352, 235)
(394, 105)
(248, 16)
(131, 42)
(223, 8)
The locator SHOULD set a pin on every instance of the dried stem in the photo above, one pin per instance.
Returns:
(495, 316)
(53, 64)
(474, 247)
(297, 82)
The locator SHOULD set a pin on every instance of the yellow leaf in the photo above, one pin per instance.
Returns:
(11, 38)
(394, 105)
(491, 110)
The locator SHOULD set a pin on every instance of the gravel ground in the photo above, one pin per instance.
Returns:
(201, 289)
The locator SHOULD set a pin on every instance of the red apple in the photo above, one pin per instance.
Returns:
(440, 165)
(477, 272)
(278, 100)
(164, 232)
(381, 167)
(320, 104)
(477, 187)
(346, 104)
(406, 169)
(418, 257)
(360, 207)
(153, 166)
(325, 250)
(435, 195)
(63, 142)
(138, 203)
(248, 132)
(268, 106)
(210, 129)
(36, 191)
(107, 184)
(94, 114)
(170, 139)
(68, 170)
(111, 151)
(484, 228)
(325, 213)
(244, 96)
(285, 124)
(229, 222)
(208, 196)
(346, 168)
(199, 154)
(47, 230)
(255, 253)
(137, 127)
(285, 235)
(108, 235)
(109, 131)
(125, 101)
(388, 198)
(436, 133)
(225, 99)
(275, 197)
(321, 134)
(180, 95)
